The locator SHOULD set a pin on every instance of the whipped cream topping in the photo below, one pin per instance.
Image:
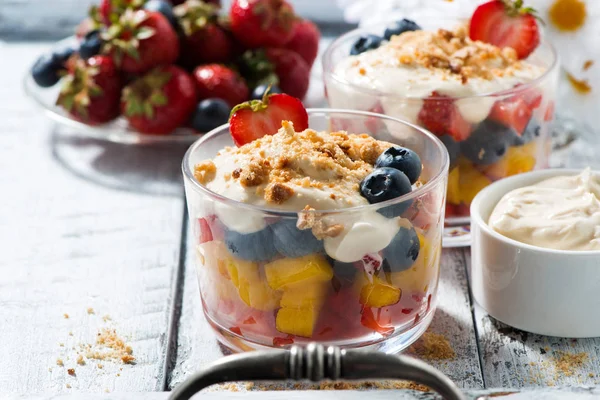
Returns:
(561, 213)
(415, 64)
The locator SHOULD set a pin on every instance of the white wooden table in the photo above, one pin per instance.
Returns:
(99, 231)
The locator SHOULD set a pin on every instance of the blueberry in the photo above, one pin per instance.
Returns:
(385, 184)
(256, 246)
(399, 27)
(531, 132)
(63, 54)
(259, 91)
(402, 159)
(488, 143)
(403, 250)
(293, 242)
(209, 114)
(45, 70)
(453, 148)
(364, 43)
(165, 8)
(91, 44)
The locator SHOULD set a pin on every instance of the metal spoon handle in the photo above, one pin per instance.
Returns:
(316, 363)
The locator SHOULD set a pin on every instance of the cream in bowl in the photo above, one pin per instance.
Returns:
(535, 253)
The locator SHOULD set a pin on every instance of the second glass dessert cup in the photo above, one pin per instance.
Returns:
(283, 287)
(470, 169)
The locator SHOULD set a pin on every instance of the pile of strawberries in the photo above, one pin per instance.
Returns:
(163, 65)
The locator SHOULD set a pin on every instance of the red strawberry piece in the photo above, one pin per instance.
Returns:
(286, 341)
(216, 80)
(262, 23)
(141, 40)
(440, 115)
(506, 23)
(513, 112)
(305, 41)
(205, 232)
(368, 320)
(159, 101)
(254, 119)
(292, 71)
(533, 97)
(91, 90)
(549, 114)
(204, 40)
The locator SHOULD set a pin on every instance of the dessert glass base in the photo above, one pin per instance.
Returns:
(266, 281)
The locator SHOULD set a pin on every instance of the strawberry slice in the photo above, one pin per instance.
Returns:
(506, 23)
(513, 112)
(440, 115)
(549, 114)
(532, 96)
(254, 119)
(205, 231)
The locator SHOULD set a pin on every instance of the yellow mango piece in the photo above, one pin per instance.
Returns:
(379, 293)
(241, 270)
(259, 295)
(291, 271)
(296, 321)
(453, 193)
(471, 181)
(516, 161)
(304, 296)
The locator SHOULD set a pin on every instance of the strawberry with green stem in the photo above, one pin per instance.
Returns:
(506, 23)
(91, 90)
(160, 101)
(140, 41)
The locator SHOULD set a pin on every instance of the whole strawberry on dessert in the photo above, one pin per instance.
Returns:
(262, 23)
(257, 118)
(204, 40)
(218, 81)
(160, 101)
(91, 90)
(140, 41)
(506, 23)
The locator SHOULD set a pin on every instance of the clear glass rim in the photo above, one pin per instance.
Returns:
(326, 63)
(434, 181)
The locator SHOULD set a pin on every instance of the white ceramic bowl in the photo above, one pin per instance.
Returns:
(539, 290)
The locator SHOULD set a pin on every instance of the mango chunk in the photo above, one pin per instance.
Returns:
(296, 321)
(241, 270)
(453, 193)
(378, 293)
(471, 182)
(291, 271)
(259, 295)
(304, 296)
(516, 161)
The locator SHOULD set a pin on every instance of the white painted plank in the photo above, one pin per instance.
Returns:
(78, 230)
(518, 359)
(197, 345)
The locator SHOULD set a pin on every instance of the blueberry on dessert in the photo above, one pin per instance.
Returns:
(532, 131)
(399, 27)
(386, 184)
(402, 159)
(256, 246)
(293, 242)
(364, 43)
(453, 148)
(488, 143)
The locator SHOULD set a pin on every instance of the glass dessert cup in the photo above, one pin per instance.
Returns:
(295, 292)
(468, 175)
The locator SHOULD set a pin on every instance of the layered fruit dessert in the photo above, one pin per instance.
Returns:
(485, 88)
(307, 234)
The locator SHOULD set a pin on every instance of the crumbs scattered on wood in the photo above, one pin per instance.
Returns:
(60, 362)
(106, 318)
(566, 363)
(433, 346)
(66, 316)
(80, 360)
(71, 371)
(90, 311)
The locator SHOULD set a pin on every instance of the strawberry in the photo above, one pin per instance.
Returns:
(262, 23)
(506, 23)
(254, 119)
(440, 115)
(159, 101)
(513, 112)
(292, 71)
(109, 11)
(90, 92)
(216, 80)
(305, 41)
(141, 40)
(533, 97)
(549, 114)
(204, 40)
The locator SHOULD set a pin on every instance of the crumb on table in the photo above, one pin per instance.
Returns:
(433, 346)
(71, 371)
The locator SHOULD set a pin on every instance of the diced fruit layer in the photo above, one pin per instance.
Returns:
(296, 321)
(419, 277)
(471, 181)
(453, 194)
(517, 160)
(304, 296)
(290, 271)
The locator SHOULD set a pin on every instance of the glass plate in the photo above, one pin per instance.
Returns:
(116, 131)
